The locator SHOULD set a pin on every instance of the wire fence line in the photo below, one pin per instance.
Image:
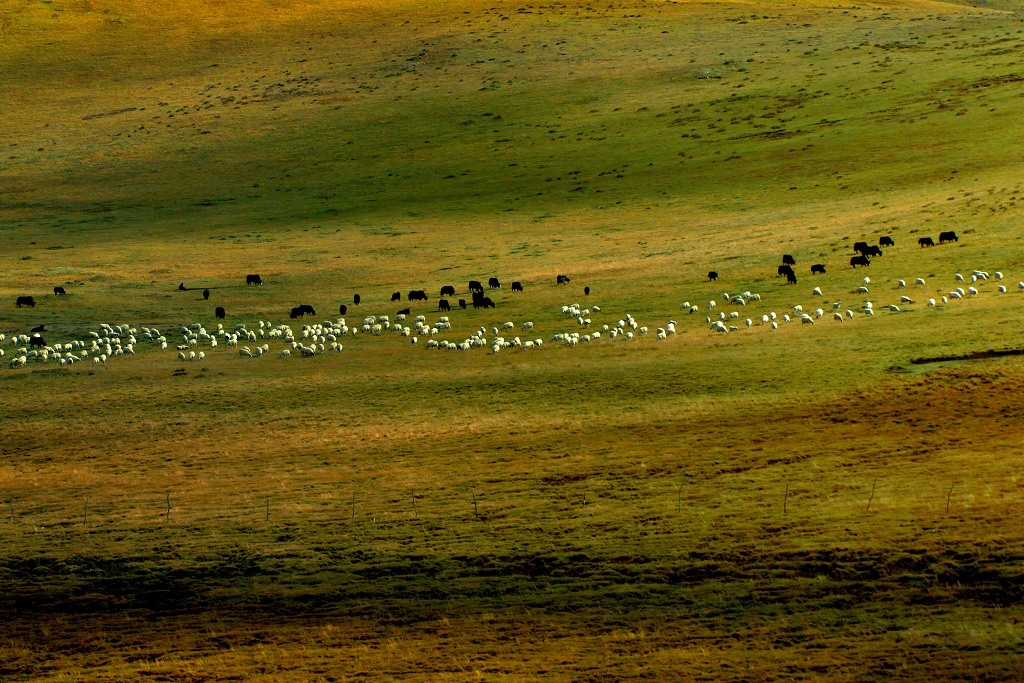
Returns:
(472, 504)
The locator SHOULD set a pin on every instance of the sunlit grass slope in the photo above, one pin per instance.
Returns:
(799, 504)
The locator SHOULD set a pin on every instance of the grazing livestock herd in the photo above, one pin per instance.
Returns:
(571, 325)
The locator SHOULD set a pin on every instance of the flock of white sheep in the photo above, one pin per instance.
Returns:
(193, 341)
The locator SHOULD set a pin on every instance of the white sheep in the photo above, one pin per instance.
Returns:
(959, 277)
(906, 300)
(902, 283)
(919, 281)
(816, 291)
(837, 316)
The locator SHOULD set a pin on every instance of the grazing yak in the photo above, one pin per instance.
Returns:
(586, 291)
(448, 290)
(562, 280)
(788, 260)
(948, 236)
(396, 296)
(299, 311)
(343, 309)
(475, 286)
(206, 295)
(483, 302)
(355, 299)
(443, 305)
(253, 279)
(462, 304)
(860, 247)
(926, 241)
(219, 312)
(404, 311)
(791, 277)
(886, 241)
(59, 291)
(859, 261)
(517, 286)
(417, 295)
(784, 269)
(712, 275)
(493, 283)
(25, 301)
(818, 269)
(37, 340)
(872, 251)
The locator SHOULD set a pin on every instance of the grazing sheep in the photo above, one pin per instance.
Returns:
(906, 300)
(902, 283)
(959, 277)
(867, 280)
(806, 319)
(919, 281)
(816, 291)
(1001, 289)
(894, 308)
(837, 316)
(931, 302)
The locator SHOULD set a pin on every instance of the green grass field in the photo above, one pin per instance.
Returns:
(836, 502)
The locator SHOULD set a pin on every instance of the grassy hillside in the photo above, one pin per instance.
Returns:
(828, 502)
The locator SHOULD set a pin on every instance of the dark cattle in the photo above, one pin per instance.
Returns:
(713, 275)
(926, 241)
(307, 309)
(206, 294)
(404, 311)
(181, 287)
(443, 305)
(586, 291)
(36, 340)
(355, 299)
(25, 301)
(818, 268)
(562, 280)
(785, 270)
(38, 328)
(447, 290)
(860, 247)
(948, 236)
(253, 279)
(219, 312)
(791, 277)
(397, 296)
(483, 302)
(462, 304)
(59, 291)
(517, 286)
(871, 251)
(343, 309)
(493, 283)
(304, 309)
(886, 241)
(475, 286)
(296, 313)
(417, 295)
(788, 260)
(861, 260)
